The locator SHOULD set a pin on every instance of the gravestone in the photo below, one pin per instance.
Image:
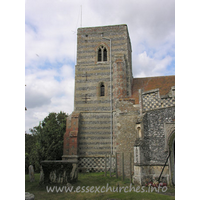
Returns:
(41, 174)
(29, 196)
(74, 172)
(31, 173)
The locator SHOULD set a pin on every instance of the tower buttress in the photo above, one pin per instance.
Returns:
(119, 77)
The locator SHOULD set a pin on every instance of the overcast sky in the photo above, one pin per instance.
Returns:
(50, 45)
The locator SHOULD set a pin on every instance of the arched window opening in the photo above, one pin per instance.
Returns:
(104, 54)
(102, 90)
(99, 54)
(139, 132)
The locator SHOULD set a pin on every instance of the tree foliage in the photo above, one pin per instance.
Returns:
(47, 138)
(30, 141)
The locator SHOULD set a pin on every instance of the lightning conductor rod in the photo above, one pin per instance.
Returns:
(81, 16)
(111, 123)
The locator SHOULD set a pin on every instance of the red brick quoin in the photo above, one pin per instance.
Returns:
(71, 136)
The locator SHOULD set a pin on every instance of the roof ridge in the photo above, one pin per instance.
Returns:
(152, 77)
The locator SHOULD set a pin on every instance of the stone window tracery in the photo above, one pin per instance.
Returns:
(102, 54)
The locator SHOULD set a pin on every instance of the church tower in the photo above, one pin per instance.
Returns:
(103, 74)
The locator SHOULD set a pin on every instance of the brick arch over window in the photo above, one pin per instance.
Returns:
(102, 54)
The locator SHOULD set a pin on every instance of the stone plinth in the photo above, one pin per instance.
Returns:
(147, 173)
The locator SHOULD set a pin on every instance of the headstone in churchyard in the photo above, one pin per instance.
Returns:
(29, 196)
(74, 172)
(41, 174)
(31, 173)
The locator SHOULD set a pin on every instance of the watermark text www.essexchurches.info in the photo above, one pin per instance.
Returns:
(107, 188)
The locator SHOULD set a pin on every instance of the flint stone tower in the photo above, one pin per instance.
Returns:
(103, 54)
(117, 114)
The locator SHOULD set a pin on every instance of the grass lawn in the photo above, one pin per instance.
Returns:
(98, 180)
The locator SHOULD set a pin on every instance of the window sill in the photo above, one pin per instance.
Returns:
(103, 62)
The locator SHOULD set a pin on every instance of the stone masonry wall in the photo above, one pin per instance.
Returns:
(153, 148)
(90, 73)
(158, 111)
(150, 152)
(152, 100)
(124, 136)
(94, 134)
(95, 119)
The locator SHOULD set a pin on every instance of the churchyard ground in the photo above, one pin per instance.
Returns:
(98, 180)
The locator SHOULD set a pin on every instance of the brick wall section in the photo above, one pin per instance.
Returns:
(71, 136)
(119, 77)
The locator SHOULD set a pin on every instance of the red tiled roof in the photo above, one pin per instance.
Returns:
(164, 83)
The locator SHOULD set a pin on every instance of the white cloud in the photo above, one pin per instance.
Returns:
(50, 45)
(49, 30)
(145, 66)
(45, 94)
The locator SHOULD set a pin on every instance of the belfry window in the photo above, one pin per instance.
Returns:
(102, 90)
(99, 55)
(102, 54)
